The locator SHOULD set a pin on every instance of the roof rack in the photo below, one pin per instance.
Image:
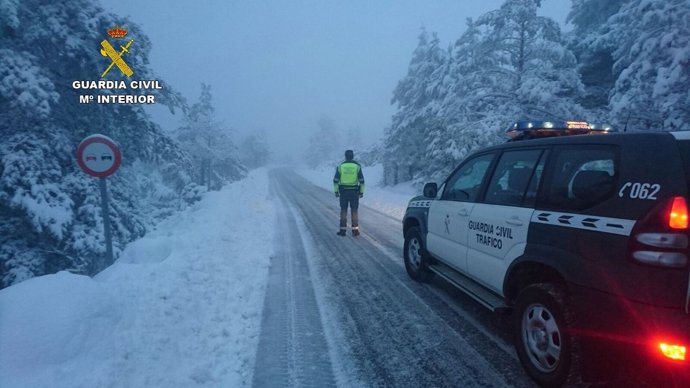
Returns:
(524, 130)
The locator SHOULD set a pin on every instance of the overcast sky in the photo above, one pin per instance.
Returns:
(280, 65)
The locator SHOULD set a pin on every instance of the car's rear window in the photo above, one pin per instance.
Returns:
(582, 176)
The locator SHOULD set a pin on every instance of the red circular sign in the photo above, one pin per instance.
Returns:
(99, 156)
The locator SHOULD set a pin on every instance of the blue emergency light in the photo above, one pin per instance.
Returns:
(523, 130)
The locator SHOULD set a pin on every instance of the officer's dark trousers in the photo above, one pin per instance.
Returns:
(349, 197)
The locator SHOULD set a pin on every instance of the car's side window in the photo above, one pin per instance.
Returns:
(465, 183)
(533, 188)
(581, 178)
(511, 177)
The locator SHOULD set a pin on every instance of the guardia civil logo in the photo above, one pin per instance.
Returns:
(107, 50)
(115, 49)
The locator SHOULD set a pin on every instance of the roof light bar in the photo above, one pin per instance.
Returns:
(535, 129)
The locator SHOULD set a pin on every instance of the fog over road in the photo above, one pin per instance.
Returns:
(341, 310)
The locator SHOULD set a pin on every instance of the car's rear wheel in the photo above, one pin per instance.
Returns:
(416, 258)
(542, 338)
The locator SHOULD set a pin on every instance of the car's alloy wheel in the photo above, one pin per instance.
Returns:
(542, 340)
(414, 253)
(416, 259)
(541, 337)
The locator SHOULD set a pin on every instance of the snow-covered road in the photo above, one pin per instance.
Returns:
(370, 324)
(292, 351)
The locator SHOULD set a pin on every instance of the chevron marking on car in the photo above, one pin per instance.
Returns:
(420, 204)
(618, 226)
(565, 219)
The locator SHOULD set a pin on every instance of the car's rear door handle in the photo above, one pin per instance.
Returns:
(463, 213)
(514, 222)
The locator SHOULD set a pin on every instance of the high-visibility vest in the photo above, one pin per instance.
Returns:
(348, 174)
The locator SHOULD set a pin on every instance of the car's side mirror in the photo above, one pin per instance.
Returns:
(430, 190)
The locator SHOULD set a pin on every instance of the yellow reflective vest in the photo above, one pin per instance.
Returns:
(348, 175)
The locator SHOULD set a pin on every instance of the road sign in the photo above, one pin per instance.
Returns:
(99, 156)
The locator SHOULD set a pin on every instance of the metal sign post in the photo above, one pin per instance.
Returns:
(106, 222)
(100, 156)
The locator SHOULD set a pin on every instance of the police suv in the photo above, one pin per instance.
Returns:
(584, 239)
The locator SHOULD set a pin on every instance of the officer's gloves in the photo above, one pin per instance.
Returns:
(361, 195)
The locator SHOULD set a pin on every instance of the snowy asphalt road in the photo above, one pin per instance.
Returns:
(341, 310)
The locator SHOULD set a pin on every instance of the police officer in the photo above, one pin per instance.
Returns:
(348, 185)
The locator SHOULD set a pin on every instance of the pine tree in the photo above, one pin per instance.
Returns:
(530, 71)
(254, 150)
(595, 55)
(325, 144)
(510, 64)
(651, 64)
(209, 143)
(417, 96)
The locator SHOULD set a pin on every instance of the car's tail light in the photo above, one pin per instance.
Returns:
(664, 259)
(661, 238)
(673, 351)
(678, 214)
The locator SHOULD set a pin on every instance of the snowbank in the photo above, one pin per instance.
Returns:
(51, 319)
(391, 200)
(180, 308)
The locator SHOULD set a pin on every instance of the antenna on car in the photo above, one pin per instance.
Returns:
(625, 128)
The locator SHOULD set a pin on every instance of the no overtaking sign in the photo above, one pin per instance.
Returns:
(99, 156)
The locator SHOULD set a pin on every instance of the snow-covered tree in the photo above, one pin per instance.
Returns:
(633, 59)
(595, 55)
(417, 96)
(526, 70)
(325, 145)
(254, 150)
(510, 64)
(370, 155)
(457, 128)
(652, 40)
(209, 143)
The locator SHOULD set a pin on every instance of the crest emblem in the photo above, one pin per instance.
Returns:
(107, 50)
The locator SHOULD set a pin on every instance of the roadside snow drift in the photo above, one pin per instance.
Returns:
(180, 308)
(51, 319)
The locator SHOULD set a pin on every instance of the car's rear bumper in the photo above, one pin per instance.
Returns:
(613, 330)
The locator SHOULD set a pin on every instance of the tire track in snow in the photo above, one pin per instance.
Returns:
(292, 351)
